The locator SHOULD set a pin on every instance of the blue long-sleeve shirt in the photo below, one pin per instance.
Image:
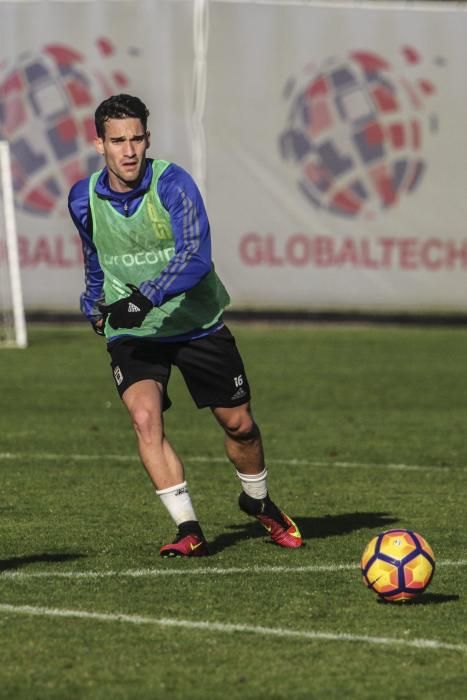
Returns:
(181, 198)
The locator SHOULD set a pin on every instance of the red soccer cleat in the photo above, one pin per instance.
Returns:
(283, 532)
(190, 545)
(282, 529)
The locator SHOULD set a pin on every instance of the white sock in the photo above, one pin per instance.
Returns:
(178, 502)
(254, 485)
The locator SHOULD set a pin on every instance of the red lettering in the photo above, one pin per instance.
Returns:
(23, 251)
(367, 260)
(42, 253)
(407, 253)
(387, 245)
(76, 240)
(271, 256)
(323, 250)
(58, 251)
(425, 254)
(454, 252)
(300, 250)
(347, 253)
(297, 249)
(61, 259)
(251, 249)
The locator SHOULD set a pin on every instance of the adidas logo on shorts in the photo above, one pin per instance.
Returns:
(132, 307)
(239, 394)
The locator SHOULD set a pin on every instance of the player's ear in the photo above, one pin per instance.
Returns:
(99, 145)
(148, 139)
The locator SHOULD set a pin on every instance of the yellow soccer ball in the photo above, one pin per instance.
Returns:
(397, 565)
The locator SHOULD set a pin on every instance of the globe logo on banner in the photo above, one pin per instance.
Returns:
(47, 104)
(356, 131)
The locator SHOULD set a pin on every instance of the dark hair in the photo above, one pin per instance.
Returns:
(120, 107)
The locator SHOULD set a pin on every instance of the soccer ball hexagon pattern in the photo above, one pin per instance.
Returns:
(397, 565)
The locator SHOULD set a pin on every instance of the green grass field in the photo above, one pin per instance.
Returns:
(364, 429)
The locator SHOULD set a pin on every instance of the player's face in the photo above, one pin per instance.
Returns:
(124, 150)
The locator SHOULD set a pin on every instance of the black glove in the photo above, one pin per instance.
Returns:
(129, 312)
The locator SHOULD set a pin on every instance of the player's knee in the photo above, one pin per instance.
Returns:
(241, 426)
(143, 422)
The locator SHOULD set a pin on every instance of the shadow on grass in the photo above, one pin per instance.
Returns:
(331, 525)
(237, 533)
(311, 528)
(423, 599)
(18, 562)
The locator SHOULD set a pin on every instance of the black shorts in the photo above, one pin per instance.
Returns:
(211, 367)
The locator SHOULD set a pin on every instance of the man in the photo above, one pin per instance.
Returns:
(151, 289)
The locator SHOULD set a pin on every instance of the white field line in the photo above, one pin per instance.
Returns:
(62, 457)
(227, 628)
(208, 571)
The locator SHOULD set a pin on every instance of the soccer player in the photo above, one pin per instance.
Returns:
(152, 290)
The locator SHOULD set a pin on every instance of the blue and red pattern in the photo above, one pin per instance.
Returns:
(355, 130)
(47, 104)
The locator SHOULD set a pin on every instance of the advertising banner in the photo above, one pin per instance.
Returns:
(332, 138)
(58, 61)
(336, 149)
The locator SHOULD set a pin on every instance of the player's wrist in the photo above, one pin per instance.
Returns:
(151, 292)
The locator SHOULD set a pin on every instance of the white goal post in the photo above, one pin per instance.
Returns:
(12, 318)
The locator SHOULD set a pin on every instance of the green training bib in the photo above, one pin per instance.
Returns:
(137, 248)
